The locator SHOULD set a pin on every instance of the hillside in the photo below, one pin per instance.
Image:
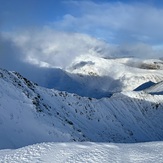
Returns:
(32, 114)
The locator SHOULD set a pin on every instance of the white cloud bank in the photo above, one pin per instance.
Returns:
(116, 22)
(134, 28)
(34, 53)
(50, 48)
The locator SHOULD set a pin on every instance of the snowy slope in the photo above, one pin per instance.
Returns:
(155, 89)
(97, 77)
(32, 114)
(119, 74)
(85, 152)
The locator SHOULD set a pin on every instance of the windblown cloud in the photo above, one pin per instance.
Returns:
(36, 53)
(50, 48)
(116, 22)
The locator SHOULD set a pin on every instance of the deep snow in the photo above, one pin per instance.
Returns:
(85, 152)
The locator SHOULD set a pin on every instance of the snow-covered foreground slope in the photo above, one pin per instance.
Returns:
(31, 114)
(86, 152)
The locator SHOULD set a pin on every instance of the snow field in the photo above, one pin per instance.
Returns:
(85, 152)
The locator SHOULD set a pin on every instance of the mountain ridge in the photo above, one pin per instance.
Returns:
(33, 114)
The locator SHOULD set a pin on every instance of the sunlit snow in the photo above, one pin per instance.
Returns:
(85, 152)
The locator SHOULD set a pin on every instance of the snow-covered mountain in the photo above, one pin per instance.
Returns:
(97, 77)
(33, 114)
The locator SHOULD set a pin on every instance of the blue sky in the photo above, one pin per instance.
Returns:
(111, 20)
(53, 32)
